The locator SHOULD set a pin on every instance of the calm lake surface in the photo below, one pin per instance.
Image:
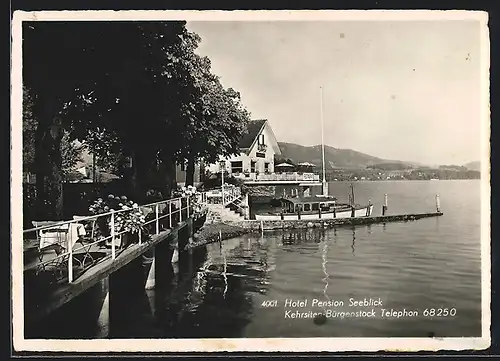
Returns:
(240, 289)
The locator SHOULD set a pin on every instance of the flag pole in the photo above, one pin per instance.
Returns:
(325, 184)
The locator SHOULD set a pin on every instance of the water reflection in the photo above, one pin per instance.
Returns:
(224, 272)
(295, 237)
(324, 257)
(217, 299)
(353, 239)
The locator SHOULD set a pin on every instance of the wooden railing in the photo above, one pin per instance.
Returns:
(65, 235)
(270, 177)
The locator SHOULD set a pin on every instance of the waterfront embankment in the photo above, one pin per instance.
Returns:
(254, 225)
(215, 232)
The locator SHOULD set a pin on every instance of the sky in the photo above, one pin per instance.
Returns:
(401, 90)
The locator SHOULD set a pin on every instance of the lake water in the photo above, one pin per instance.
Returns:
(240, 289)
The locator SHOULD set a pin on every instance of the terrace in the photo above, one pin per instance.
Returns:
(278, 178)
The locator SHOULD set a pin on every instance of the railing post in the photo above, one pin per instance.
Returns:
(384, 206)
(180, 210)
(157, 220)
(187, 206)
(170, 214)
(113, 248)
(70, 260)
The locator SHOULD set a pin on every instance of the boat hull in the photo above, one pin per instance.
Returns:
(344, 213)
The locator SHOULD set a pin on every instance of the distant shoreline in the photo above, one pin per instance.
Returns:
(400, 180)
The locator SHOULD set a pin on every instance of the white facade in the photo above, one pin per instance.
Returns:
(259, 158)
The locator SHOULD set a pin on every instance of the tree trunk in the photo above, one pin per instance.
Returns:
(48, 163)
(133, 175)
(141, 174)
(168, 176)
(40, 171)
(190, 171)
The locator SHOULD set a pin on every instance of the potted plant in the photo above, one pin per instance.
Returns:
(128, 223)
(191, 193)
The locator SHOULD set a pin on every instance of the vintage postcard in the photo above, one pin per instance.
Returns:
(296, 181)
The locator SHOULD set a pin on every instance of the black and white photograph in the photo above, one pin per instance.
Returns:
(300, 181)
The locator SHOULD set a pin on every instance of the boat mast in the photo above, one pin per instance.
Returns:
(325, 184)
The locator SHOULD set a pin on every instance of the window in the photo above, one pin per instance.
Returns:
(252, 166)
(315, 206)
(237, 167)
(266, 167)
(261, 139)
(307, 207)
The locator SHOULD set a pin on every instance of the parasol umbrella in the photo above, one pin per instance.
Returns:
(306, 164)
(282, 166)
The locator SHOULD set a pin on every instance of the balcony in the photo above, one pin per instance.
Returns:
(278, 177)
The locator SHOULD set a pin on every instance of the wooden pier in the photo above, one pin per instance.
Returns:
(162, 244)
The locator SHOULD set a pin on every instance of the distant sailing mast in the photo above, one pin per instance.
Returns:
(325, 184)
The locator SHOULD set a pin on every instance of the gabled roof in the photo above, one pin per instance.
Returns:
(254, 127)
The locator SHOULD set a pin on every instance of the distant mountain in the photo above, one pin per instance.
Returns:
(453, 167)
(334, 157)
(473, 166)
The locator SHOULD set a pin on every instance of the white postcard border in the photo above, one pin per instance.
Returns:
(243, 344)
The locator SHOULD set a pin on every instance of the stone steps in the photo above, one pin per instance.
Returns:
(218, 213)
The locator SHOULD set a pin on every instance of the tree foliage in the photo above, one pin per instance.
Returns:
(29, 127)
(218, 120)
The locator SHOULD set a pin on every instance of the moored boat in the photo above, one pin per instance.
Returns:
(314, 208)
(320, 206)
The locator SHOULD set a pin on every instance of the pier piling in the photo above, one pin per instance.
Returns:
(384, 207)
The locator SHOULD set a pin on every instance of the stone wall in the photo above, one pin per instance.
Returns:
(216, 232)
